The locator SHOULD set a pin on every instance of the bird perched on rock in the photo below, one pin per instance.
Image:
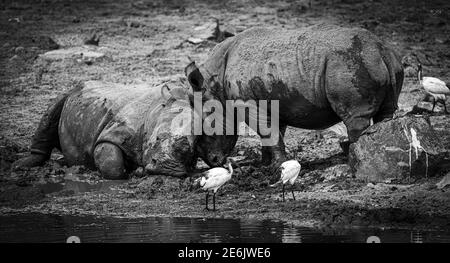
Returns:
(434, 87)
(214, 178)
(289, 173)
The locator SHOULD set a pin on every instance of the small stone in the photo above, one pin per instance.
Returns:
(264, 10)
(444, 182)
(14, 58)
(194, 40)
(439, 41)
(19, 49)
(93, 40)
(134, 24)
(14, 20)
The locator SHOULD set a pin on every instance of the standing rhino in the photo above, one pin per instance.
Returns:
(117, 129)
(320, 75)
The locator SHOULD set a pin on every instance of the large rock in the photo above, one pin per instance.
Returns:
(209, 31)
(83, 53)
(387, 150)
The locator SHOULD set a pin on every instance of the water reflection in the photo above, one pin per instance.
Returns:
(291, 235)
(52, 228)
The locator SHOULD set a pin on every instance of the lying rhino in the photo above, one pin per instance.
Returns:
(320, 75)
(117, 129)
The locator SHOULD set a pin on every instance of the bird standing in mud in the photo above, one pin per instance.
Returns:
(214, 178)
(434, 87)
(289, 173)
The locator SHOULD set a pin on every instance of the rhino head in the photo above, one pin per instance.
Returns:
(172, 148)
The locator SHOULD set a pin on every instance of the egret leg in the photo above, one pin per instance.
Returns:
(292, 191)
(214, 201)
(434, 104)
(207, 197)
(283, 193)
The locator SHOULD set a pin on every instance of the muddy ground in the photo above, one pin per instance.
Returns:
(141, 41)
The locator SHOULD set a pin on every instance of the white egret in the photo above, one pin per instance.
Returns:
(214, 178)
(289, 173)
(434, 87)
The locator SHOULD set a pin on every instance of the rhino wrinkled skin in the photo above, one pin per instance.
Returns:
(320, 75)
(118, 128)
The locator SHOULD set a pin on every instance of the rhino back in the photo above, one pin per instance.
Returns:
(295, 57)
(103, 112)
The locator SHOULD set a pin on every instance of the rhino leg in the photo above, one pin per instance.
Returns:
(45, 137)
(109, 160)
(275, 154)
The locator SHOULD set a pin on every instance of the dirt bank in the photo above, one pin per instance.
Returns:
(143, 40)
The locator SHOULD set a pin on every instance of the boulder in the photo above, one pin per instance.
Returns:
(401, 148)
(209, 31)
(85, 53)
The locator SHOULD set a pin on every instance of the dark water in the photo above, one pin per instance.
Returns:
(35, 227)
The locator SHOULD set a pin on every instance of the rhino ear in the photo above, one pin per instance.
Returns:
(163, 95)
(194, 76)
